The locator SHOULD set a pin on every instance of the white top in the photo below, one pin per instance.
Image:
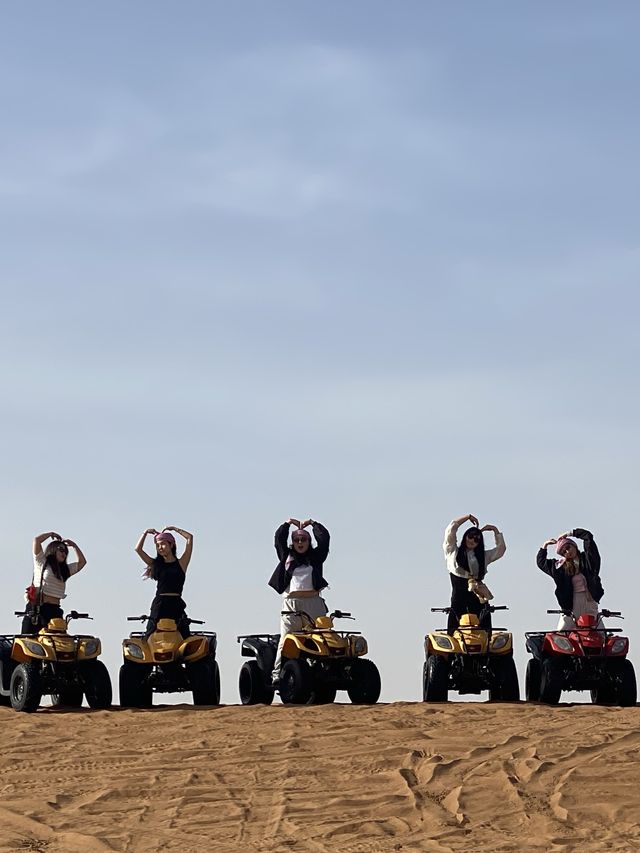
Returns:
(301, 580)
(51, 585)
(450, 547)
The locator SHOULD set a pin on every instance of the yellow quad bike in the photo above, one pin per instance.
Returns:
(470, 661)
(317, 661)
(56, 663)
(167, 663)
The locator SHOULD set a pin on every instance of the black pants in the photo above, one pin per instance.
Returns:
(38, 616)
(463, 601)
(168, 607)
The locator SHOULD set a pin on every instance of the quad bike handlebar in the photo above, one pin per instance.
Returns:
(72, 614)
(608, 614)
(490, 607)
(145, 618)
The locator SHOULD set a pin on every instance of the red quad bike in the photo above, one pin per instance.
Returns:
(582, 658)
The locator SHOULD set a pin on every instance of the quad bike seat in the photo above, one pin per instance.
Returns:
(469, 620)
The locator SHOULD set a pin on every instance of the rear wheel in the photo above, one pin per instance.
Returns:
(68, 697)
(551, 681)
(204, 678)
(532, 681)
(253, 686)
(506, 687)
(436, 679)
(295, 682)
(26, 687)
(365, 685)
(627, 687)
(97, 684)
(134, 691)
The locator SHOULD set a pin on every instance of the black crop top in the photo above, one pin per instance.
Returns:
(169, 576)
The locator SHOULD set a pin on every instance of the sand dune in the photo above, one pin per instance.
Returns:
(403, 777)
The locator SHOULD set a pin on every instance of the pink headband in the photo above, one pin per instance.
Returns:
(164, 537)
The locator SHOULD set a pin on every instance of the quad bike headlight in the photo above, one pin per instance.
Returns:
(443, 643)
(359, 645)
(563, 643)
(500, 641)
(35, 648)
(618, 645)
(134, 651)
(90, 647)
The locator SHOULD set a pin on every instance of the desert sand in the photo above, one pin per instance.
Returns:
(404, 776)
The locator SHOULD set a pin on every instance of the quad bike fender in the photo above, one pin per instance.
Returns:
(136, 650)
(195, 648)
(534, 644)
(32, 649)
(501, 644)
(440, 643)
(89, 648)
(262, 650)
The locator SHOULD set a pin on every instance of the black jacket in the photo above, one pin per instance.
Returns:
(589, 566)
(314, 557)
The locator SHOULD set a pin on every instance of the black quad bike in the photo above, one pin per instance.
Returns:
(317, 661)
(585, 657)
(470, 661)
(166, 662)
(55, 663)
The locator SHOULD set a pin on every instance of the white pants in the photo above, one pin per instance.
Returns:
(291, 620)
(582, 603)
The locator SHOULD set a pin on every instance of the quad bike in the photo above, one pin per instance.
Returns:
(317, 661)
(166, 662)
(582, 658)
(54, 662)
(469, 661)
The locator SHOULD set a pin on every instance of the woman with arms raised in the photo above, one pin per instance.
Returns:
(169, 571)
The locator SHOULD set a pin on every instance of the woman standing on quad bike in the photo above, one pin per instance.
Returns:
(298, 576)
(51, 571)
(168, 570)
(467, 564)
(576, 575)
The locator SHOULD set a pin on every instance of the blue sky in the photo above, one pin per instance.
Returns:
(375, 266)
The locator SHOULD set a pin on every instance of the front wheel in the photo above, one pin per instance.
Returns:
(252, 685)
(295, 682)
(532, 681)
(97, 684)
(627, 687)
(506, 679)
(26, 687)
(365, 685)
(204, 677)
(436, 679)
(134, 690)
(551, 682)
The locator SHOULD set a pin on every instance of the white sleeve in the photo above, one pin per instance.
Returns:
(497, 552)
(450, 544)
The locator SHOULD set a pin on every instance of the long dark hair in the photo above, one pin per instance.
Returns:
(60, 570)
(158, 562)
(461, 554)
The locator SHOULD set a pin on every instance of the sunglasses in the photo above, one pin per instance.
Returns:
(474, 537)
(299, 539)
